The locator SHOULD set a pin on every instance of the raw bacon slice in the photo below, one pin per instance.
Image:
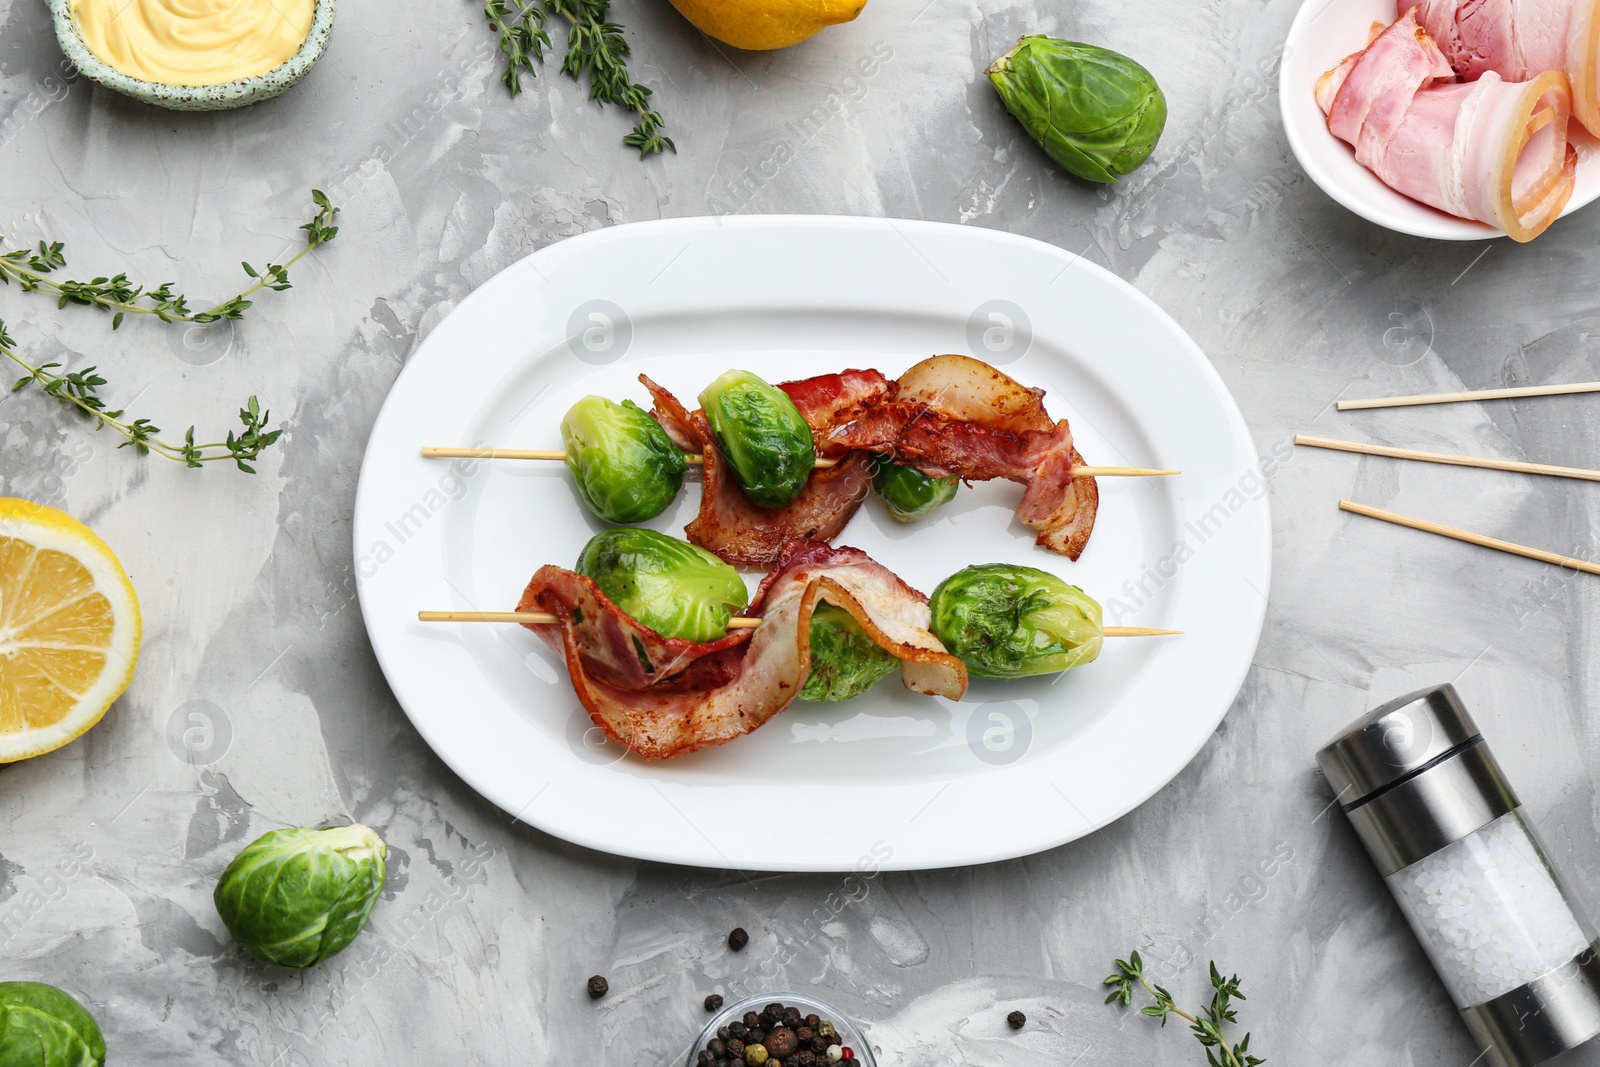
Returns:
(1490, 150)
(743, 533)
(749, 682)
(1520, 40)
(955, 416)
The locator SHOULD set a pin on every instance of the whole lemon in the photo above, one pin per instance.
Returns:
(758, 25)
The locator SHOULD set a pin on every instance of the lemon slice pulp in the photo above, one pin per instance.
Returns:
(69, 629)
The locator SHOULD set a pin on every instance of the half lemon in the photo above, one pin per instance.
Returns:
(69, 629)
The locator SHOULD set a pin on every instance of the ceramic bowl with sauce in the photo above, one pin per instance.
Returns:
(218, 96)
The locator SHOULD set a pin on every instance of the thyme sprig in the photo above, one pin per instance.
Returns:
(595, 47)
(32, 269)
(1207, 1026)
(80, 390)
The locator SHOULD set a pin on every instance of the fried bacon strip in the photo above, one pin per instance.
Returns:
(954, 416)
(727, 688)
(949, 416)
(1491, 150)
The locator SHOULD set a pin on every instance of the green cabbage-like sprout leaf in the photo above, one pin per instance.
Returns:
(626, 467)
(40, 1026)
(675, 588)
(1007, 621)
(763, 436)
(907, 492)
(1094, 111)
(296, 897)
(845, 662)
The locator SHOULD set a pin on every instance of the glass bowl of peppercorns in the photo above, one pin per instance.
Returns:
(780, 1030)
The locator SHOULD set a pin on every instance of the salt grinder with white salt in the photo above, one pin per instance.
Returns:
(1443, 825)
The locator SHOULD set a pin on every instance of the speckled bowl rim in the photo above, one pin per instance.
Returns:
(219, 97)
(848, 1028)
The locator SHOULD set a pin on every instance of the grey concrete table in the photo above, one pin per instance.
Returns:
(258, 702)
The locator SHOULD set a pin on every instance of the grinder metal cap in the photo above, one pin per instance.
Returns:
(1395, 741)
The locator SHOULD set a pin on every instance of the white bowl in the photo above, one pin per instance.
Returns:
(1323, 33)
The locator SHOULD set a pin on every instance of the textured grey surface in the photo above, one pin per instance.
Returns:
(479, 951)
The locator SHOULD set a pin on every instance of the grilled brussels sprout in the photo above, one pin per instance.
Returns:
(845, 662)
(295, 897)
(910, 494)
(1095, 111)
(1007, 621)
(671, 586)
(762, 434)
(626, 467)
(40, 1026)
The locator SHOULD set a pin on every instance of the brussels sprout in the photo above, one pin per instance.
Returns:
(910, 494)
(673, 587)
(1095, 111)
(845, 662)
(626, 467)
(40, 1026)
(762, 434)
(295, 897)
(1009, 622)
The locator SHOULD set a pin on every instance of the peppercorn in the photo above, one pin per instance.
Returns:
(755, 1055)
(737, 938)
(705, 1059)
(792, 1017)
(751, 1020)
(782, 1042)
(819, 1044)
(1017, 1020)
(804, 1034)
(598, 987)
(835, 1053)
(735, 1049)
(757, 1036)
(714, 1002)
(737, 1029)
(825, 1028)
(847, 1053)
(724, 1032)
(774, 1008)
(768, 1020)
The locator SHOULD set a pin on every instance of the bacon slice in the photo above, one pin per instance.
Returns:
(1520, 40)
(674, 418)
(1489, 150)
(745, 683)
(955, 416)
(743, 533)
(829, 399)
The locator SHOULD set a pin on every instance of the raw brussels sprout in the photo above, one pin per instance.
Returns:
(910, 494)
(845, 662)
(295, 897)
(1006, 621)
(762, 434)
(673, 587)
(626, 467)
(40, 1026)
(1095, 111)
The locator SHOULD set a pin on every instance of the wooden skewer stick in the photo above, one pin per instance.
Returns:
(1516, 466)
(1476, 394)
(1470, 538)
(540, 618)
(823, 463)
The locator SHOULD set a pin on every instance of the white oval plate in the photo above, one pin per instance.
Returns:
(1322, 35)
(891, 779)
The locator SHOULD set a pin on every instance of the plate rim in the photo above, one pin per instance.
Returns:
(1256, 511)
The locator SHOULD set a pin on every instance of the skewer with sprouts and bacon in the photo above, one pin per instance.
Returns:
(667, 656)
(795, 461)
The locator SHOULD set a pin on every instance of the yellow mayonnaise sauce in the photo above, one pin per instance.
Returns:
(193, 42)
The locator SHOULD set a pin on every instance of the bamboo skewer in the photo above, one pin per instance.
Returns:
(1513, 465)
(541, 618)
(1475, 394)
(823, 463)
(1470, 538)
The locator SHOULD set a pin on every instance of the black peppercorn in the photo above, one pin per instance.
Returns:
(735, 1049)
(751, 1020)
(757, 1036)
(724, 1032)
(812, 1021)
(598, 987)
(1016, 1019)
(705, 1059)
(804, 1034)
(737, 938)
(773, 1009)
(715, 1047)
(781, 1042)
(714, 1002)
(736, 1029)
(792, 1017)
